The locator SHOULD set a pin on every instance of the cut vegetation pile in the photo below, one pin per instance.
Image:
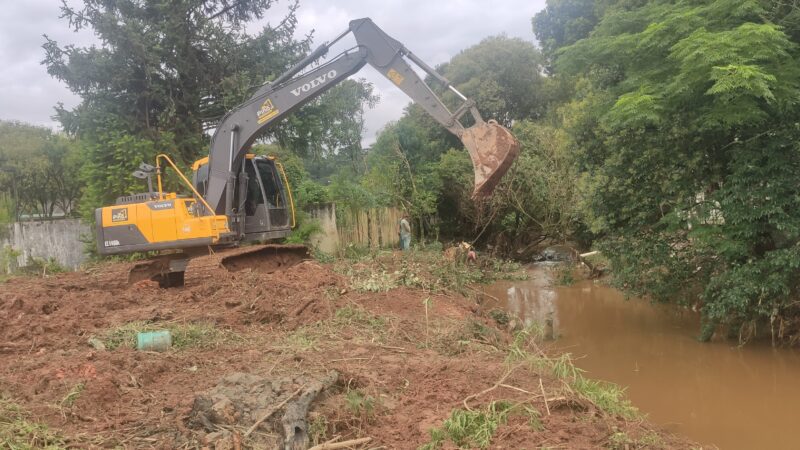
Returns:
(383, 350)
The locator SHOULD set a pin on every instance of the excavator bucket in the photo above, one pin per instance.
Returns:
(493, 149)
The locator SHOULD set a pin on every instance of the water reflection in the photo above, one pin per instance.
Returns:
(715, 393)
(534, 306)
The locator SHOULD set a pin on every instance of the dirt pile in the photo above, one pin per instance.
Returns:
(411, 363)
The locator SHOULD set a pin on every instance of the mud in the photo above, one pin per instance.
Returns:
(405, 360)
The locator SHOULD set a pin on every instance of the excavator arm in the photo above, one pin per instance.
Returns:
(492, 148)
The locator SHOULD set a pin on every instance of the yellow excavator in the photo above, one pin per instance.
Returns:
(238, 197)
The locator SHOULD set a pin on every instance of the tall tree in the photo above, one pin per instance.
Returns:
(38, 171)
(162, 75)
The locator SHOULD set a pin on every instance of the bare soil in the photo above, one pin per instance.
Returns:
(401, 367)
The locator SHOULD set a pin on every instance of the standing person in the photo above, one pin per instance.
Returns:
(405, 233)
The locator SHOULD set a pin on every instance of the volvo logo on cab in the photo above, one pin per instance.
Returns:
(322, 79)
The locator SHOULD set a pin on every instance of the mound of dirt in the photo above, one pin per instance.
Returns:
(65, 310)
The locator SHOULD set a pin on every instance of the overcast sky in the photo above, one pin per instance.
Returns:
(435, 30)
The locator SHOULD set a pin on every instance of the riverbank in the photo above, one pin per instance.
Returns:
(736, 397)
(390, 347)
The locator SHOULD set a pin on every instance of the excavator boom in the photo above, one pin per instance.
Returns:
(492, 148)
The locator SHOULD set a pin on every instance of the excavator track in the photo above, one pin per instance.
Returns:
(168, 270)
(266, 258)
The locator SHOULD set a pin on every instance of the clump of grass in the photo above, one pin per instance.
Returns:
(565, 275)
(367, 326)
(470, 429)
(606, 396)
(184, 335)
(301, 340)
(72, 395)
(375, 282)
(19, 432)
(318, 429)
(505, 269)
(352, 315)
(360, 404)
(500, 316)
(456, 339)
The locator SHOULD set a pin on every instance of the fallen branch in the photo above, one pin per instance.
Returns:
(541, 386)
(508, 386)
(272, 411)
(496, 385)
(343, 444)
(484, 293)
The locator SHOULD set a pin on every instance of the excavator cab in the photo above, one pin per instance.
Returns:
(263, 204)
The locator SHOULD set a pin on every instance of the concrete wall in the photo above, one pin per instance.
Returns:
(328, 239)
(57, 239)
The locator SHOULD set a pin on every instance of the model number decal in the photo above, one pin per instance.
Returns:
(113, 243)
(119, 215)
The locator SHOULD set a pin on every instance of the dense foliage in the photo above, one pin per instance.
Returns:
(684, 125)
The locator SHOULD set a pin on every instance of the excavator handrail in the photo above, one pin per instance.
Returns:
(288, 188)
(185, 180)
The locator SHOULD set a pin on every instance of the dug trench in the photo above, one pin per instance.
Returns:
(381, 352)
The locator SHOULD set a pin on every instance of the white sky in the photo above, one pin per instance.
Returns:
(434, 30)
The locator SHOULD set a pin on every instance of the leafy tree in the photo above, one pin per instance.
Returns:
(504, 77)
(38, 171)
(331, 125)
(684, 123)
(564, 22)
(165, 72)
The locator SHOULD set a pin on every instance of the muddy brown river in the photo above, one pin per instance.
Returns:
(715, 393)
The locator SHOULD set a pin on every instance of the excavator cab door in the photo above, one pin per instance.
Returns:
(266, 209)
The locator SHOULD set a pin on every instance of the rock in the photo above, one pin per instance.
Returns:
(220, 440)
(224, 412)
(97, 344)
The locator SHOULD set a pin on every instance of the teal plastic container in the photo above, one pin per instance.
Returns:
(154, 341)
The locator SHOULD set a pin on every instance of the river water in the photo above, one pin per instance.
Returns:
(715, 393)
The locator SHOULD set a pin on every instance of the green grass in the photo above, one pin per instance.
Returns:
(73, 395)
(356, 316)
(301, 340)
(19, 432)
(318, 429)
(366, 327)
(382, 271)
(360, 404)
(620, 440)
(606, 396)
(184, 335)
(470, 429)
